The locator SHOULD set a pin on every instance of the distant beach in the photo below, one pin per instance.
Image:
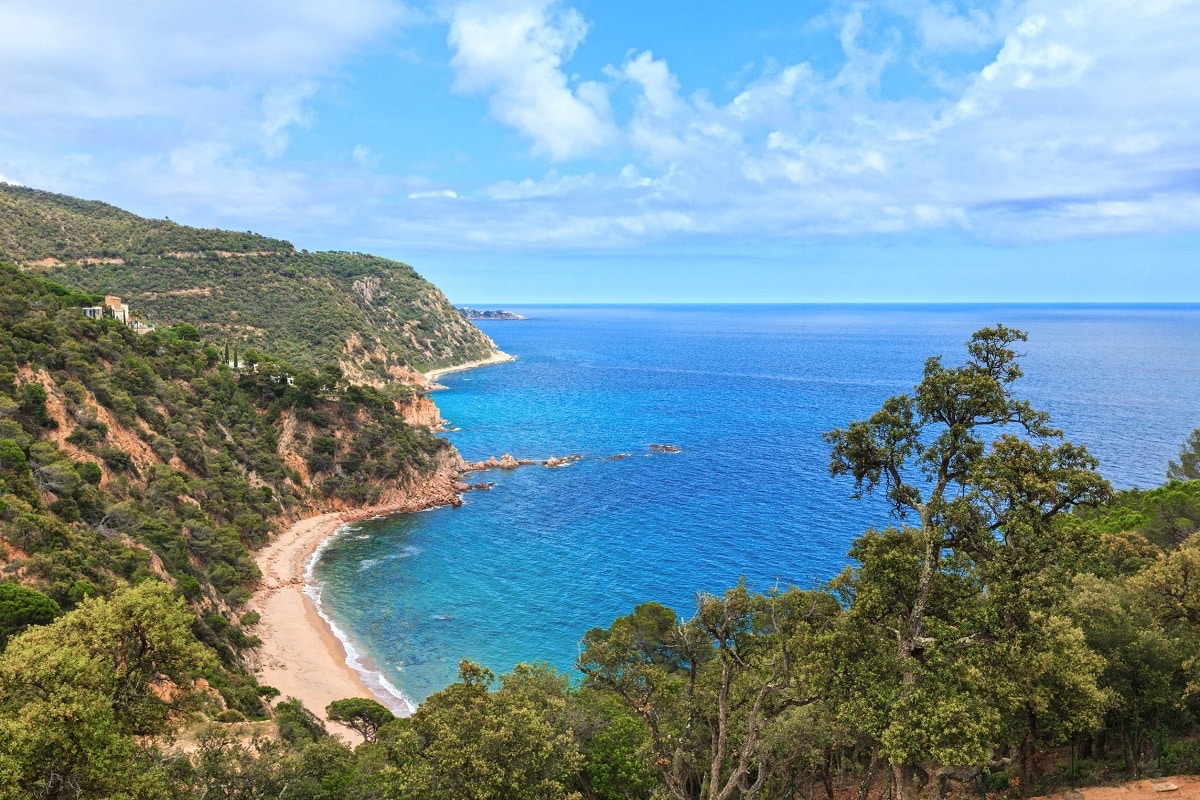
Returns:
(499, 358)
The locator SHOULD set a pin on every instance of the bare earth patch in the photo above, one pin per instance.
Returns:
(1187, 787)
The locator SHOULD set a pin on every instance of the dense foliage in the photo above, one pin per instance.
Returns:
(126, 456)
(376, 319)
(40, 225)
(1011, 613)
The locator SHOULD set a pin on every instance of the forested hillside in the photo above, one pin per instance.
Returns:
(1013, 627)
(376, 319)
(125, 457)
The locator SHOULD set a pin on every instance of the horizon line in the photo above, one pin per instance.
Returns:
(496, 305)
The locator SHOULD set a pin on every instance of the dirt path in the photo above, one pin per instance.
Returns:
(1187, 787)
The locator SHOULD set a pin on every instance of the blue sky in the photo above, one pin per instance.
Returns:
(533, 151)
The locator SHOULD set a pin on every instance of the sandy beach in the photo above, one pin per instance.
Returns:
(300, 655)
(433, 374)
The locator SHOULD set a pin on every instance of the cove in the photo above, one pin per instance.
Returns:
(520, 572)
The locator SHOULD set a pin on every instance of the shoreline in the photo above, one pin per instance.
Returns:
(500, 357)
(302, 654)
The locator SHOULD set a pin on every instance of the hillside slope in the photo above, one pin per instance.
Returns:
(127, 456)
(377, 319)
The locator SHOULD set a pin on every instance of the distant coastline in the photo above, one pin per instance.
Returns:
(475, 314)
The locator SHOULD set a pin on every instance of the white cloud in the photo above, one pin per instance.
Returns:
(118, 86)
(944, 28)
(514, 52)
(1082, 124)
(448, 194)
(283, 108)
(129, 57)
(1036, 119)
(363, 156)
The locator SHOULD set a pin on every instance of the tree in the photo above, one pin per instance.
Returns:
(361, 715)
(297, 725)
(1188, 466)
(614, 742)
(985, 508)
(713, 692)
(475, 744)
(76, 694)
(21, 607)
(1142, 661)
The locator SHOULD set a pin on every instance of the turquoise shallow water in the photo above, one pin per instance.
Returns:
(519, 573)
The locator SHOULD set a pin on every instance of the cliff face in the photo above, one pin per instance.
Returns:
(124, 454)
(441, 486)
(420, 411)
(377, 319)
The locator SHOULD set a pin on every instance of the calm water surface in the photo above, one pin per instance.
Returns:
(520, 572)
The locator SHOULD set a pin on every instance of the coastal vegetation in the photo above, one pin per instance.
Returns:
(377, 320)
(1014, 608)
(1013, 626)
(127, 458)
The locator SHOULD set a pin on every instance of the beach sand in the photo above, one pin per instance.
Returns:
(499, 358)
(300, 655)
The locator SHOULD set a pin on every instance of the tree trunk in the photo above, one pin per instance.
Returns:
(1127, 751)
(864, 788)
(904, 776)
(826, 777)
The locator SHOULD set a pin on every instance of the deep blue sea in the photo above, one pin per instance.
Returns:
(520, 572)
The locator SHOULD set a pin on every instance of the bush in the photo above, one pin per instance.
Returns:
(21, 607)
(117, 459)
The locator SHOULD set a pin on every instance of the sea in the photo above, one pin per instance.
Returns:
(522, 570)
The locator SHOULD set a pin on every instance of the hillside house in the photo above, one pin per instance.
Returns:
(113, 307)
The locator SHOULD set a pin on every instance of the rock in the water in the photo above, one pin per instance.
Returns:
(664, 448)
(506, 461)
(554, 461)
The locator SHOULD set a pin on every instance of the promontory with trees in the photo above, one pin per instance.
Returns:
(1014, 626)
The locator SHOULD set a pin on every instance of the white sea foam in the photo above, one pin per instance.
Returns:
(383, 689)
(407, 552)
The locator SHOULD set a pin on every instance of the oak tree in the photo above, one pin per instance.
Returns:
(978, 509)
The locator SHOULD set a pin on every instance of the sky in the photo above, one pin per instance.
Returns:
(524, 151)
